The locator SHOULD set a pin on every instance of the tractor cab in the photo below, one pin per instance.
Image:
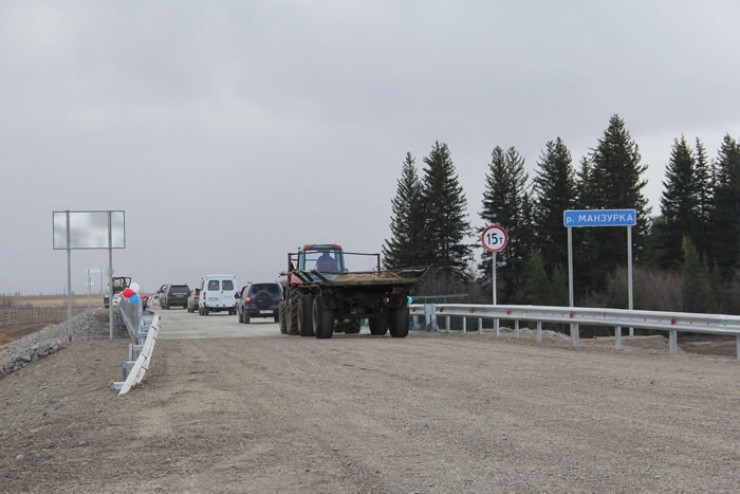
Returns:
(327, 259)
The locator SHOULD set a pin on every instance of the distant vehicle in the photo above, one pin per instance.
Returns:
(323, 297)
(160, 291)
(193, 300)
(120, 283)
(174, 296)
(217, 294)
(259, 300)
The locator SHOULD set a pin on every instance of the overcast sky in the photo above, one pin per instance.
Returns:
(231, 132)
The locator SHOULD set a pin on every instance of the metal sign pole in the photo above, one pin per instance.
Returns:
(629, 274)
(110, 276)
(69, 271)
(570, 266)
(493, 275)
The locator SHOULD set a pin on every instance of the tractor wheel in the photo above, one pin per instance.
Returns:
(398, 322)
(323, 318)
(379, 325)
(283, 322)
(292, 311)
(305, 318)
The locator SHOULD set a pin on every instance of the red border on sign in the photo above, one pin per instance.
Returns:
(503, 246)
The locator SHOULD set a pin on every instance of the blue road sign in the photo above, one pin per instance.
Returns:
(599, 217)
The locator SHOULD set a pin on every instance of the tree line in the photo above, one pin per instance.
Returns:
(685, 257)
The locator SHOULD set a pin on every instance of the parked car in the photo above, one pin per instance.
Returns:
(174, 296)
(217, 293)
(259, 300)
(158, 295)
(194, 300)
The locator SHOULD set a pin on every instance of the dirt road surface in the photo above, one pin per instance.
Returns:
(429, 413)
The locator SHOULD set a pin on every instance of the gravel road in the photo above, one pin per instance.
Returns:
(432, 412)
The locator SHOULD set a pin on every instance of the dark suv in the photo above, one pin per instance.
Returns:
(174, 296)
(258, 300)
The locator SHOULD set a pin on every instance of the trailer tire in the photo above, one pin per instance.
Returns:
(398, 322)
(323, 319)
(305, 316)
(378, 325)
(283, 323)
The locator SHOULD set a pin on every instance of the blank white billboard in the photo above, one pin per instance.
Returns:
(89, 229)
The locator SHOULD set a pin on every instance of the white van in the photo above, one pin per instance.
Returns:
(217, 294)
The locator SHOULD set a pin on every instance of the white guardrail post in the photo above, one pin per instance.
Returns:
(671, 322)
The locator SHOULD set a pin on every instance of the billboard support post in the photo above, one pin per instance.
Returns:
(85, 230)
(110, 275)
(69, 270)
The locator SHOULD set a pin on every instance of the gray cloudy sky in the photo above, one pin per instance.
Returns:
(231, 132)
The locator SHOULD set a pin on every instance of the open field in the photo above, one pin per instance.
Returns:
(49, 301)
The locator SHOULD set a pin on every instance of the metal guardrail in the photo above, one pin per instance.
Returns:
(143, 327)
(135, 370)
(673, 322)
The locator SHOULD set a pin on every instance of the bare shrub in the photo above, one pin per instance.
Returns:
(652, 290)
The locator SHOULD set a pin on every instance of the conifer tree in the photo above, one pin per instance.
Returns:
(725, 215)
(447, 226)
(698, 289)
(704, 176)
(406, 246)
(584, 256)
(615, 183)
(538, 290)
(555, 191)
(678, 205)
(507, 203)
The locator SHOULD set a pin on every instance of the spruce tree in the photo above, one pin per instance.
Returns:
(584, 254)
(698, 289)
(678, 205)
(616, 183)
(507, 203)
(405, 248)
(555, 191)
(704, 176)
(726, 209)
(538, 290)
(447, 226)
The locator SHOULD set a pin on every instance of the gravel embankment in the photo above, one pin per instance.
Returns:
(89, 326)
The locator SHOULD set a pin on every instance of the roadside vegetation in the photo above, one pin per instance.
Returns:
(685, 256)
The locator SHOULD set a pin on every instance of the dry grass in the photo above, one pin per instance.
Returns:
(48, 301)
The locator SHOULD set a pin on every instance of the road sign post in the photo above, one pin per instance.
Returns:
(581, 218)
(494, 239)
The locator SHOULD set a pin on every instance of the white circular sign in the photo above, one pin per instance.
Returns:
(494, 238)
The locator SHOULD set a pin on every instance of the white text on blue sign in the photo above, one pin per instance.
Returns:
(599, 217)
